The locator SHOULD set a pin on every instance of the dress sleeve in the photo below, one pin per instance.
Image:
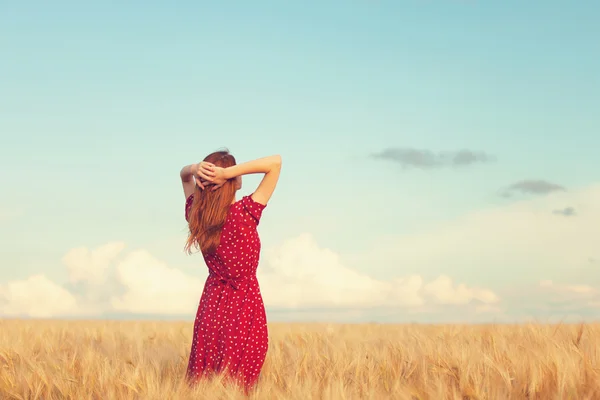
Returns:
(252, 210)
(188, 206)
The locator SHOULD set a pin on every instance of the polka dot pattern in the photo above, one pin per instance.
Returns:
(230, 330)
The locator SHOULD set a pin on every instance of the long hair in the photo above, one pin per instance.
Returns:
(210, 208)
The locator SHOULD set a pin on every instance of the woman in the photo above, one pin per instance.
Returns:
(230, 331)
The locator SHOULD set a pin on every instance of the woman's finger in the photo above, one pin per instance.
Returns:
(208, 172)
(203, 176)
(199, 184)
(207, 166)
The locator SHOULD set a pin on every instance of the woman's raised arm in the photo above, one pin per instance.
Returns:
(270, 166)
(187, 179)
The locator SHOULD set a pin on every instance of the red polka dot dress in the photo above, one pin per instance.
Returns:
(230, 330)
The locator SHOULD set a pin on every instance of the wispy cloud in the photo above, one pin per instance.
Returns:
(567, 212)
(532, 186)
(427, 159)
(577, 290)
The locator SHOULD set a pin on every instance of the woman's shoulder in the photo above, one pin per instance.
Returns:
(237, 206)
(248, 210)
(247, 203)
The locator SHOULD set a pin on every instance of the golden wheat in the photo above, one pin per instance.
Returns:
(147, 360)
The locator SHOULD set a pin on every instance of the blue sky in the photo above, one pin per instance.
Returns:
(101, 105)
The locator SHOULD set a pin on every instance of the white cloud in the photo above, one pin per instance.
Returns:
(444, 292)
(91, 266)
(150, 286)
(298, 274)
(301, 274)
(36, 297)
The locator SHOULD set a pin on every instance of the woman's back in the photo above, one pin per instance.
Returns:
(238, 253)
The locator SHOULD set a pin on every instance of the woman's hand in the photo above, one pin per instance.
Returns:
(201, 181)
(209, 173)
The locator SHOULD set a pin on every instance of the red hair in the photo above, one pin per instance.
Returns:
(209, 209)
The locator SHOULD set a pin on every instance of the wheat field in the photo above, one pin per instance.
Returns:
(147, 360)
